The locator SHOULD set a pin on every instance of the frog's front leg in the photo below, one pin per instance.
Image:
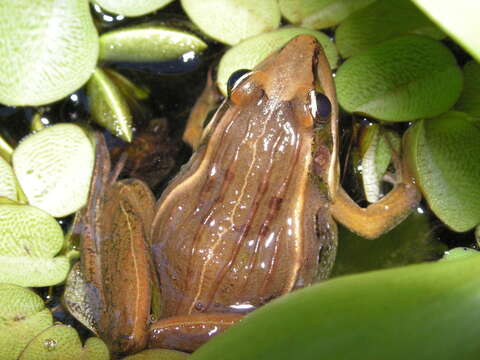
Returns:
(187, 333)
(382, 216)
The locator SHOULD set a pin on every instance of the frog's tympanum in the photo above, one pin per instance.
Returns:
(247, 219)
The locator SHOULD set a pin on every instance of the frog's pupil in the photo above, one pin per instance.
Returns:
(324, 107)
(232, 80)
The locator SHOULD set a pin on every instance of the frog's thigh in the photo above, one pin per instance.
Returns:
(380, 217)
(189, 332)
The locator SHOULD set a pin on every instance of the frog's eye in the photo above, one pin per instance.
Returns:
(234, 78)
(324, 107)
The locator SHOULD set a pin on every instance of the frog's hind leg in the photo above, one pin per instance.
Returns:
(188, 333)
(208, 100)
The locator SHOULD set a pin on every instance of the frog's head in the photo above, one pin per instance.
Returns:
(299, 74)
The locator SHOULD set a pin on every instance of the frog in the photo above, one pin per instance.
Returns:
(251, 217)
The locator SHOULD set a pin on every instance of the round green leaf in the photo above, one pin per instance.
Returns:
(443, 152)
(34, 272)
(319, 14)
(426, 311)
(250, 52)
(148, 43)
(469, 101)
(8, 184)
(54, 166)
(411, 242)
(231, 21)
(95, 349)
(108, 106)
(132, 7)
(158, 354)
(401, 79)
(22, 316)
(30, 238)
(460, 253)
(63, 343)
(49, 49)
(380, 21)
(458, 18)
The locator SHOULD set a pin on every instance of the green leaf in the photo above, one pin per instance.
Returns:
(469, 101)
(401, 79)
(54, 166)
(6, 149)
(231, 21)
(458, 18)
(30, 240)
(443, 153)
(95, 349)
(158, 354)
(22, 316)
(425, 311)
(380, 21)
(376, 155)
(132, 7)
(148, 43)
(250, 52)
(410, 242)
(459, 253)
(49, 49)
(61, 342)
(319, 14)
(8, 183)
(108, 106)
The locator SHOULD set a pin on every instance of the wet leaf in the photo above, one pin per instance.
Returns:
(132, 7)
(131, 91)
(49, 49)
(108, 106)
(22, 316)
(53, 167)
(6, 149)
(411, 242)
(250, 52)
(459, 253)
(158, 354)
(380, 21)
(401, 79)
(95, 349)
(8, 183)
(63, 343)
(148, 43)
(420, 311)
(30, 240)
(469, 101)
(319, 14)
(458, 18)
(375, 159)
(443, 153)
(231, 21)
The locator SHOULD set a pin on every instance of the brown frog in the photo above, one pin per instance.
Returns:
(248, 218)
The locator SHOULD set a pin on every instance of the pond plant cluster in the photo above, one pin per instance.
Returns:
(407, 77)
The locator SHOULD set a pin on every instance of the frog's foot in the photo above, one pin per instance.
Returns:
(382, 216)
(207, 101)
(188, 333)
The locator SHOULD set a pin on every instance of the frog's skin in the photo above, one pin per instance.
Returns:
(249, 217)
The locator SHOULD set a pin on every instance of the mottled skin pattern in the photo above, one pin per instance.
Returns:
(244, 222)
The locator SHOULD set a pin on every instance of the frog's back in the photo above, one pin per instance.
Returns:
(236, 227)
